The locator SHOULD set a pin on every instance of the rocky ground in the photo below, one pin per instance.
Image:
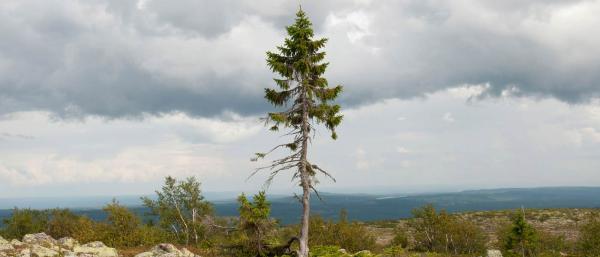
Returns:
(558, 222)
(42, 245)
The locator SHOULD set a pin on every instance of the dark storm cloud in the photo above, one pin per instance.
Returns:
(130, 58)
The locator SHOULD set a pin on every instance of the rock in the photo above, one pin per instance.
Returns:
(42, 245)
(24, 253)
(494, 253)
(67, 243)
(167, 250)
(40, 239)
(16, 243)
(41, 251)
(363, 253)
(187, 253)
(5, 245)
(95, 249)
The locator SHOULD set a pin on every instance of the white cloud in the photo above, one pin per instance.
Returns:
(233, 129)
(468, 91)
(362, 161)
(402, 150)
(448, 117)
(142, 4)
(132, 164)
(356, 24)
(591, 134)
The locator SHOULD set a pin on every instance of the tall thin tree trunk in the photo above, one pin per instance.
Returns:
(305, 180)
(194, 225)
(187, 230)
(305, 220)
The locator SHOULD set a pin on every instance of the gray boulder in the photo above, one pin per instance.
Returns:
(95, 249)
(42, 245)
(40, 239)
(167, 250)
(40, 251)
(494, 253)
(16, 243)
(5, 245)
(67, 243)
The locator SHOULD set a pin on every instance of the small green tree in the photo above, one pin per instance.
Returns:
(521, 238)
(445, 233)
(428, 226)
(123, 226)
(255, 222)
(181, 208)
(307, 96)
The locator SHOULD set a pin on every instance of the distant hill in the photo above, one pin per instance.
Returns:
(367, 207)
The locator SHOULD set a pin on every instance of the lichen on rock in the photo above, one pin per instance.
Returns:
(167, 250)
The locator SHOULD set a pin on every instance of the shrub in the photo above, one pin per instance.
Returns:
(63, 223)
(551, 245)
(122, 227)
(25, 221)
(400, 238)
(152, 235)
(394, 251)
(444, 233)
(327, 251)
(351, 236)
(589, 238)
(89, 230)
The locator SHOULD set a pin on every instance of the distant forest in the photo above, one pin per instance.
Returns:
(386, 207)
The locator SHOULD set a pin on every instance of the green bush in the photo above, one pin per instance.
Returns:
(64, 223)
(400, 238)
(551, 245)
(89, 230)
(122, 226)
(589, 238)
(444, 233)
(255, 227)
(351, 236)
(519, 238)
(394, 251)
(152, 235)
(25, 221)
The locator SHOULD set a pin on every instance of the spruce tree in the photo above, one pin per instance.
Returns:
(523, 239)
(255, 223)
(306, 99)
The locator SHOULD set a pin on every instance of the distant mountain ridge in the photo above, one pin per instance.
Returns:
(366, 207)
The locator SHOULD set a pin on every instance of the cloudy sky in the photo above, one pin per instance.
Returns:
(106, 97)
